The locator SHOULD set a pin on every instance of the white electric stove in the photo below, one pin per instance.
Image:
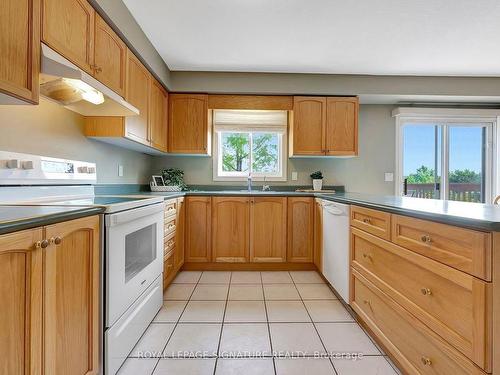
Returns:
(132, 228)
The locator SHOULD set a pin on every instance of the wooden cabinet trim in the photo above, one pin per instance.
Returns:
(259, 102)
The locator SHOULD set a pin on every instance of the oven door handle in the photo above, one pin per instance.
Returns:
(134, 214)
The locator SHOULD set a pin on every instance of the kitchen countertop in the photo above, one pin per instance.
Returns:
(15, 218)
(468, 215)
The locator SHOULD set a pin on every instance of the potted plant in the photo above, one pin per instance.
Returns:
(317, 178)
(174, 177)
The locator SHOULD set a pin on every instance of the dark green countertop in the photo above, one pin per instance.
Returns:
(15, 218)
(478, 216)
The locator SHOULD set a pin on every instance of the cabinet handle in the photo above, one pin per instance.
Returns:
(98, 69)
(368, 257)
(426, 361)
(426, 238)
(426, 291)
(367, 220)
(43, 244)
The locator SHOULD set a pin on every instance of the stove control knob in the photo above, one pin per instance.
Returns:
(12, 163)
(27, 164)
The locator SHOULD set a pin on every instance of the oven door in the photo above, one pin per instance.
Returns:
(134, 252)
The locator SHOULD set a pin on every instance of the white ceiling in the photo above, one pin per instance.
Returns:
(379, 37)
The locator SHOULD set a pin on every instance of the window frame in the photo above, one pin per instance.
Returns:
(281, 131)
(450, 117)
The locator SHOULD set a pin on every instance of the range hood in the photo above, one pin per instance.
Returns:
(63, 82)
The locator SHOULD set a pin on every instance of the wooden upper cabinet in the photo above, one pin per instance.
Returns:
(198, 229)
(300, 229)
(137, 94)
(188, 124)
(71, 298)
(307, 130)
(68, 27)
(230, 225)
(324, 126)
(21, 296)
(110, 57)
(268, 226)
(158, 115)
(342, 126)
(20, 50)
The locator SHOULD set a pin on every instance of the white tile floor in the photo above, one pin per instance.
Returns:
(222, 323)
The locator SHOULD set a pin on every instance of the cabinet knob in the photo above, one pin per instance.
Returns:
(43, 244)
(426, 361)
(367, 220)
(367, 256)
(426, 238)
(57, 240)
(426, 291)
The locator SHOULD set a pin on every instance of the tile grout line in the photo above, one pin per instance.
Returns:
(222, 323)
(315, 328)
(268, 324)
(175, 325)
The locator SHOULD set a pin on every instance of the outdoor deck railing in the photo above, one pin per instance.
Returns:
(465, 192)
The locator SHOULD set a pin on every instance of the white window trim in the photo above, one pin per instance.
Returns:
(442, 116)
(282, 155)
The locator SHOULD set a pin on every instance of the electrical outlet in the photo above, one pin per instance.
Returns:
(120, 170)
(295, 176)
(388, 176)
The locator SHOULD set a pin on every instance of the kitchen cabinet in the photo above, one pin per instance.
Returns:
(230, 229)
(158, 115)
(180, 233)
(68, 27)
(198, 229)
(188, 130)
(110, 57)
(300, 229)
(21, 294)
(322, 126)
(20, 46)
(137, 94)
(342, 126)
(268, 229)
(71, 297)
(318, 235)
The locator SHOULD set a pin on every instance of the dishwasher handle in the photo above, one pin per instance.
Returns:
(332, 209)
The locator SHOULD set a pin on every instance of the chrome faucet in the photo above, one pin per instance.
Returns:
(249, 182)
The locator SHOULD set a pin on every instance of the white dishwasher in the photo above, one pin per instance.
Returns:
(336, 246)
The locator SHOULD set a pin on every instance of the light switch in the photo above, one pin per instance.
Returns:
(120, 170)
(389, 176)
(295, 176)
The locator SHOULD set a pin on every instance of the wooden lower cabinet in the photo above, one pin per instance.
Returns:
(230, 229)
(300, 229)
(318, 235)
(416, 348)
(180, 233)
(268, 229)
(71, 297)
(198, 229)
(21, 296)
(49, 277)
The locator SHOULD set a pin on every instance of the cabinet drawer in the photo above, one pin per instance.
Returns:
(452, 303)
(169, 243)
(418, 349)
(464, 249)
(375, 222)
(170, 226)
(170, 208)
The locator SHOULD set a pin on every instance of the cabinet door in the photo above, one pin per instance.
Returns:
(158, 119)
(68, 27)
(318, 235)
(137, 94)
(268, 222)
(300, 229)
(71, 297)
(308, 125)
(342, 126)
(21, 296)
(198, 230)
(230, 227)
(20, 46)
(180, 233)
(110, 57)
(188, 124)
